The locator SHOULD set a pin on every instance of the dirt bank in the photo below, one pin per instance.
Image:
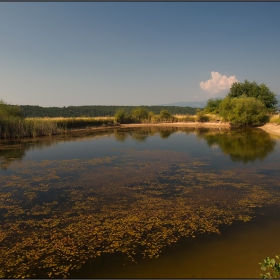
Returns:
(179, 124)
(271, 128)
(174, 124)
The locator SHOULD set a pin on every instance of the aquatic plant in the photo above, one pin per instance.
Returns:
(58, 214)
(272, 266)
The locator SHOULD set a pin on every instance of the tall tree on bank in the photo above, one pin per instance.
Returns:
(252, 89)
(243, 111)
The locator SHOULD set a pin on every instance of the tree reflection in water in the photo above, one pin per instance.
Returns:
(57, 214)
(245, 145)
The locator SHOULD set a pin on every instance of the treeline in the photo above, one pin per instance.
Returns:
(29, 111)
(14, 125)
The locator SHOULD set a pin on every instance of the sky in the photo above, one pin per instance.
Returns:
(134, 53)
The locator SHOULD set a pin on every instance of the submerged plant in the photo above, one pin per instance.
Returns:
(271, 266)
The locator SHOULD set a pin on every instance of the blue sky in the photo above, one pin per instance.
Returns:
(135, 53)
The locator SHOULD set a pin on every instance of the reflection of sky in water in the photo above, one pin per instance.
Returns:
(139, 189)
(108, 146)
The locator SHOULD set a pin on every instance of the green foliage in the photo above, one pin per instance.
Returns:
(80, 122)
(252, 89)
(17, 128)
(151, 116)
(275, 119)
(96, 111)
(272, 266)
(139, 114)
(9, 111)
(212, 105)
(242, 144)
(165, 116)
(122, 116)
(201, 117)
(243, 111)
(12, 124)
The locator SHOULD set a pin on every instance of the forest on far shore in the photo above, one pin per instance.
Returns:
(30, 111)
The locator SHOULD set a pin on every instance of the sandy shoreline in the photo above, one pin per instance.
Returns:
(134, 125)
(271, 128)
(179, 124)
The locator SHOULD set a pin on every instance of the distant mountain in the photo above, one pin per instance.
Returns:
(193, 104)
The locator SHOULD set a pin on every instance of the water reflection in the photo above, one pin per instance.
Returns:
(245, 145)
(56, 214)
(242, 145)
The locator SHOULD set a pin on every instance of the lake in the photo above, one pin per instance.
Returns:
(150, 202)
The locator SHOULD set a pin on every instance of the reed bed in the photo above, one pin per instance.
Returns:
(34, 127)
(80, 122)
(17, 128)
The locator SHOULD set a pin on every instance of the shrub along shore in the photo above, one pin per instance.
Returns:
(36, 127)
(14, 125)
(246, 104)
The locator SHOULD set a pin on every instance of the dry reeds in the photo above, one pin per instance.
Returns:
(275, 119)
(17, 128)
(33, 127)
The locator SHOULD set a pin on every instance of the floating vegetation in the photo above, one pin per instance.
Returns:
(57, 214)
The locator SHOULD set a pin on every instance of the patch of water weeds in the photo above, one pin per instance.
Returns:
(135, 204)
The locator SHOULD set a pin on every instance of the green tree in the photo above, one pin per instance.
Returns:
(165, 115)
(243, 111)
(212, 105)
(9, 111)
(151, 116)
(120, 116)
(139, 114)
(252, 89)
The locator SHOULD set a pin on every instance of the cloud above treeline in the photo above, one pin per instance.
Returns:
(218, 82)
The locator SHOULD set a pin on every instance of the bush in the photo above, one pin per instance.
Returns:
(122, 117)
(252, 89)
(139, 114)
(243, 111)
(9, 111)
(201, 117)
(212, 105)
(166, 116)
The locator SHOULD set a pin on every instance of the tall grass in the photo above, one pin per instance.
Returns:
(17, 128)
(81, 122)
(275, 119)
(33, 127)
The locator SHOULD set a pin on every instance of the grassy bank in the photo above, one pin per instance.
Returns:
(34, 127)
(275, 119)
(18, 128)
(80, 122)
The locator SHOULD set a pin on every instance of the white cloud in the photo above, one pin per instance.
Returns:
(218, 83)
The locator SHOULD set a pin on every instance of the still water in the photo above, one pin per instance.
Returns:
(140, 203)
